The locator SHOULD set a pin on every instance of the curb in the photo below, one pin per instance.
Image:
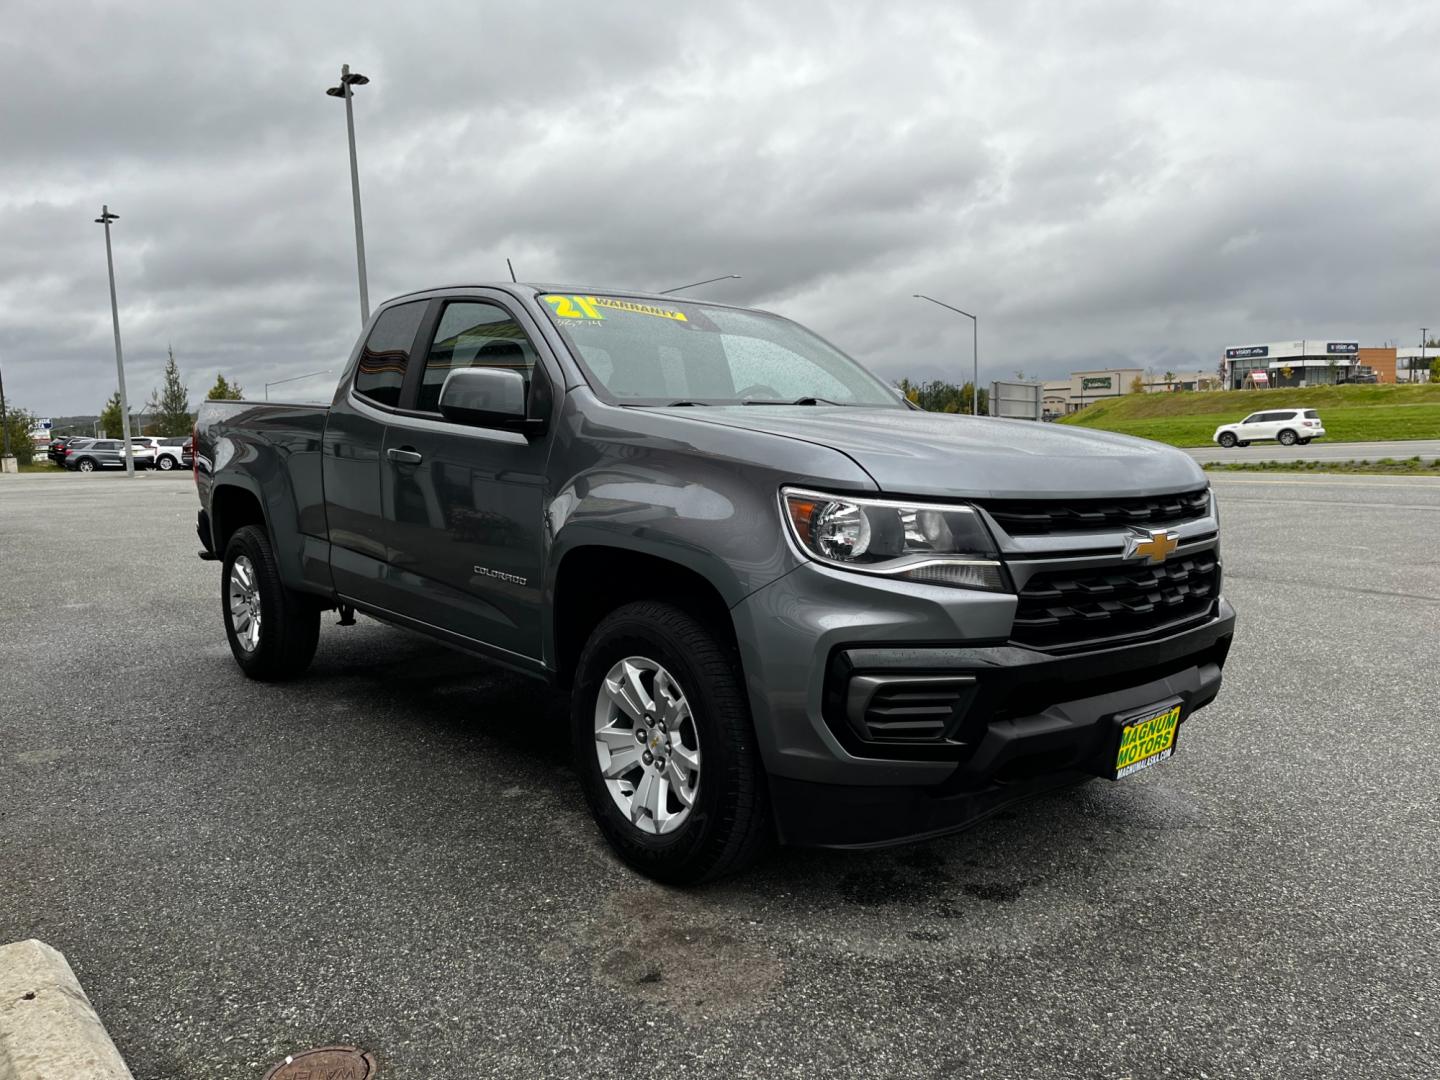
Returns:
(48, 1028)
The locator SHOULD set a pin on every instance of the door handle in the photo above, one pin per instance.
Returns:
(404, 457)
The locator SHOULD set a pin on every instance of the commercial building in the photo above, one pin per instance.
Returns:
(1307, 362)
(1061, 396)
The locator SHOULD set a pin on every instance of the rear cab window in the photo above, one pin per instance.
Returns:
(381, 372)
(1311, 414)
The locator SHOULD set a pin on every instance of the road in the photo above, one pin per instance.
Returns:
(1429, 449)
(394, 853)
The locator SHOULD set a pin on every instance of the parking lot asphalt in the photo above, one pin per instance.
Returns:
(1324, 450)
(394, 853)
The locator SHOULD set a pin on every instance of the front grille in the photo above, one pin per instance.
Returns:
(1069, 608)
(1034, 517)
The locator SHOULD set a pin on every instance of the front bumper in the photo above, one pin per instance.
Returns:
(1034, 721)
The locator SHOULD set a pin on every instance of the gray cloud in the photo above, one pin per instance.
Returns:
(1136, 183)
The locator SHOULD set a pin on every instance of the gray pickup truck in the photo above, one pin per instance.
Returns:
(787, 605)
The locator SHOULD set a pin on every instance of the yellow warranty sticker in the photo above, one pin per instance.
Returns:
(637, 308)
(574, 307)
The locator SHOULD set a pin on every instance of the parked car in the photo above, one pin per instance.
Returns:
(56, 451)
(1286, 426)
(87, 455)
(170, 452)
(146, 450)
(785, 602)
(187, 453)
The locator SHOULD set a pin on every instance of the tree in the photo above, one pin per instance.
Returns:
(1435, 370)
(110, 418)
(18, 425)
(224, 391)
(940, 396)
(1137, 385)
(169, 406)
(1169, 379)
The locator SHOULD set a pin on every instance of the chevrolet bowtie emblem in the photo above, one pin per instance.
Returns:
(1156, 545)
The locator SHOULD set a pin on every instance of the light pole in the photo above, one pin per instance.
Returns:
(4, 420)
(975, 348)
(293, 378)
(697, 284)
(347, 80)
(104, 219)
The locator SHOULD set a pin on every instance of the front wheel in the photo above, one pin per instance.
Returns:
(273, 630)
(1227, 439)
(665, 746)
(165, 464)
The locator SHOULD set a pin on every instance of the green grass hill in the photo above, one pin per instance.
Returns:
(1371, 413)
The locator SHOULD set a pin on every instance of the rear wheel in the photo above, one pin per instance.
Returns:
(1287, 437)
(86, 465)
(165, 464)
(273, 630)
(665, 746)
(1227, 439)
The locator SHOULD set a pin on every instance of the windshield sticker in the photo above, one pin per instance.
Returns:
(638, 309)
(574, 307)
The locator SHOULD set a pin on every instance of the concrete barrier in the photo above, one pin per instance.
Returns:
(48, 1028)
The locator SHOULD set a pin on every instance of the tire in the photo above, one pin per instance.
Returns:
(166, 463)
(1287, 437)
(86, 465)
(287, 629)
(1227, 439)
(1304, 442)
(1243, 443)
(727, 825)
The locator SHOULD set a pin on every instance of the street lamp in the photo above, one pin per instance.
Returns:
(697, 284)
(974, 346)
(294, 378)
(104, 219)
(348, 79)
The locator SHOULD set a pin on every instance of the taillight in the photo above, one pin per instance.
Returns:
(68, 451)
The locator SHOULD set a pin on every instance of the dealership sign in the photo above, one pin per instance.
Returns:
(1246, 352)
(1098, 382)
(1346, 347)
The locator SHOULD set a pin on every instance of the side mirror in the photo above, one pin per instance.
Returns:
(488, 398)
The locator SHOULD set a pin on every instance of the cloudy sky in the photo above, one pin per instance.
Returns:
(1137, 183)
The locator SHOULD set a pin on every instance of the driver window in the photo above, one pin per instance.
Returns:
(473, 334)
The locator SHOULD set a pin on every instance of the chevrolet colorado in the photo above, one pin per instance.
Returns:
(786, 604)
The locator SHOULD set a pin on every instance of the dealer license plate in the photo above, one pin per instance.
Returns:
(1147, 740)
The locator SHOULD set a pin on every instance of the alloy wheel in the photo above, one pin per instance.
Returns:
(647, 745)
(244, 596)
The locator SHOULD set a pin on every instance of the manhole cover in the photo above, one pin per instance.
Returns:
(326, 1063)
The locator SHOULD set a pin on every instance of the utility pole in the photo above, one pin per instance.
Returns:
(1424, 333)
(104, 219)
(347, 80)
(4, 425)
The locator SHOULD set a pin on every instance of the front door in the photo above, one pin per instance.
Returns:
(463, 505)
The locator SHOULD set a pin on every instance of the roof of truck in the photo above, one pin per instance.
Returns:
(535, 287)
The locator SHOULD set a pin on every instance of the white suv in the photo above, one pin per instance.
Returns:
(1286, 426)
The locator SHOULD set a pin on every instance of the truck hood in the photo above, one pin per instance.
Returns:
(941, 454)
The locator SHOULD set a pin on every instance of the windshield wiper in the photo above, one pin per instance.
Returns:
(808, 399)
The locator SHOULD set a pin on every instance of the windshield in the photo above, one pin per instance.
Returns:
(651, 352)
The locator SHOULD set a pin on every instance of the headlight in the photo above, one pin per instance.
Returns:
(936, 544)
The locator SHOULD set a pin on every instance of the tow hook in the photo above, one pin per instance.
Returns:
(347, 615)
